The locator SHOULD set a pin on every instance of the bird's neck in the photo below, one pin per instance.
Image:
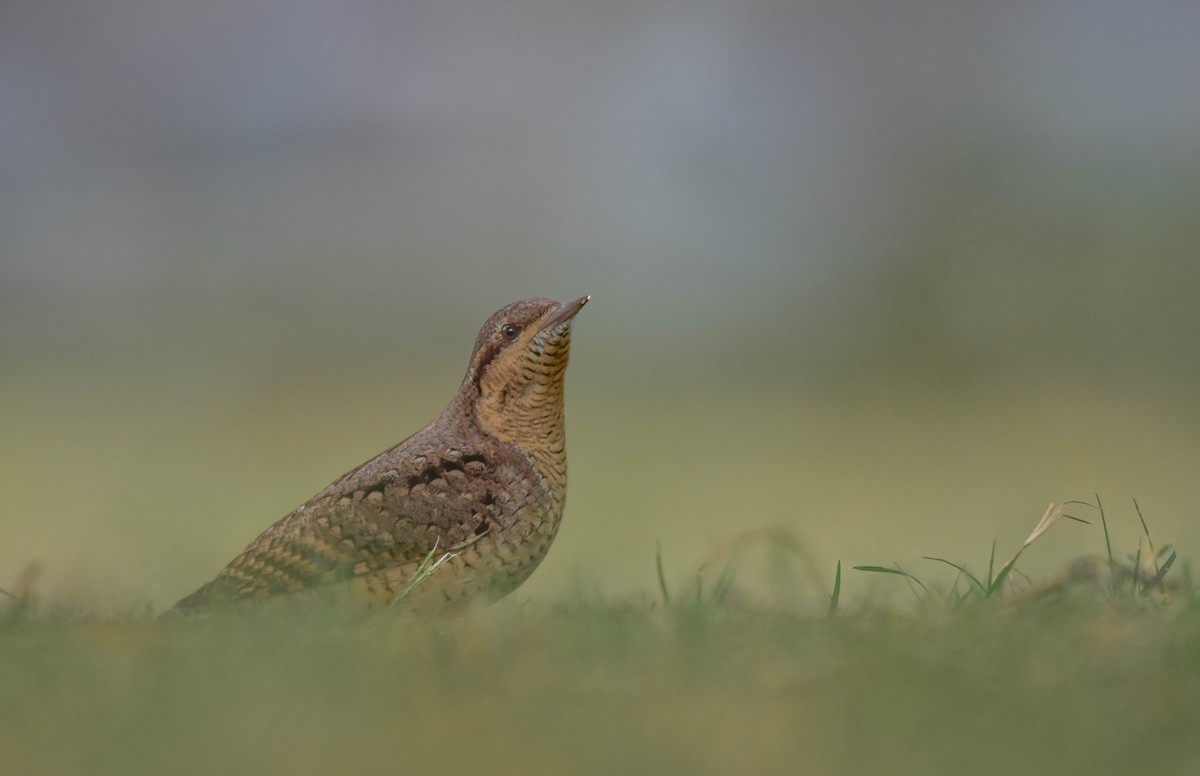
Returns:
(531, 421)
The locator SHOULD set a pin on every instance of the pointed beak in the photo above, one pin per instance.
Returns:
(565, 312)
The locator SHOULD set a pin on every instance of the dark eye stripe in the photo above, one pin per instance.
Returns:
(490, 351)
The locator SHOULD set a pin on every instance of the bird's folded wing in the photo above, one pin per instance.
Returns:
(372, 519)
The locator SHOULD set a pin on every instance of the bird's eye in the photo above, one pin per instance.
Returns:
(509, 331)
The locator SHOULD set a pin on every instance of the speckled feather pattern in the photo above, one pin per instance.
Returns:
(485, 481)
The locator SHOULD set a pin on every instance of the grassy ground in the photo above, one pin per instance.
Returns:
(1101, 676)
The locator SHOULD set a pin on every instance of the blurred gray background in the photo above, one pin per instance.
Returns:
(891, 276)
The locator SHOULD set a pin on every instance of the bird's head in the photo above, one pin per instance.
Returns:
(517, 368)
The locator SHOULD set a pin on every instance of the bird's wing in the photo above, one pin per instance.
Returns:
(391, 511)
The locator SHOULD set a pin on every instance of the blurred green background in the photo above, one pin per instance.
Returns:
(891, 276)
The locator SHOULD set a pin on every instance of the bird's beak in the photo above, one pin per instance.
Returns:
(565, 312)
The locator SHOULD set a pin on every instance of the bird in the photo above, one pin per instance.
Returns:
(482, 487)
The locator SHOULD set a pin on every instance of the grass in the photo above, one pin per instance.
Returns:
(1096, 674)
(1143, 575)
(425, 569)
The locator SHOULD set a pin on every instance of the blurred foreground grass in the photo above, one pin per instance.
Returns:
(1083, 680)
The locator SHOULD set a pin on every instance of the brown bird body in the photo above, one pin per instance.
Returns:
(483, 485)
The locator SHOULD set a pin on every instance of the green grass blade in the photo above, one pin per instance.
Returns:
(723, 584)
(897, 571)
(991, 562)
(1146, 530)
(837, 590)
(1162, 572)
(662, 578)
(1135, 577)
(1080, 503)
(1112, 564)
(1005, 570)
(962, 569)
